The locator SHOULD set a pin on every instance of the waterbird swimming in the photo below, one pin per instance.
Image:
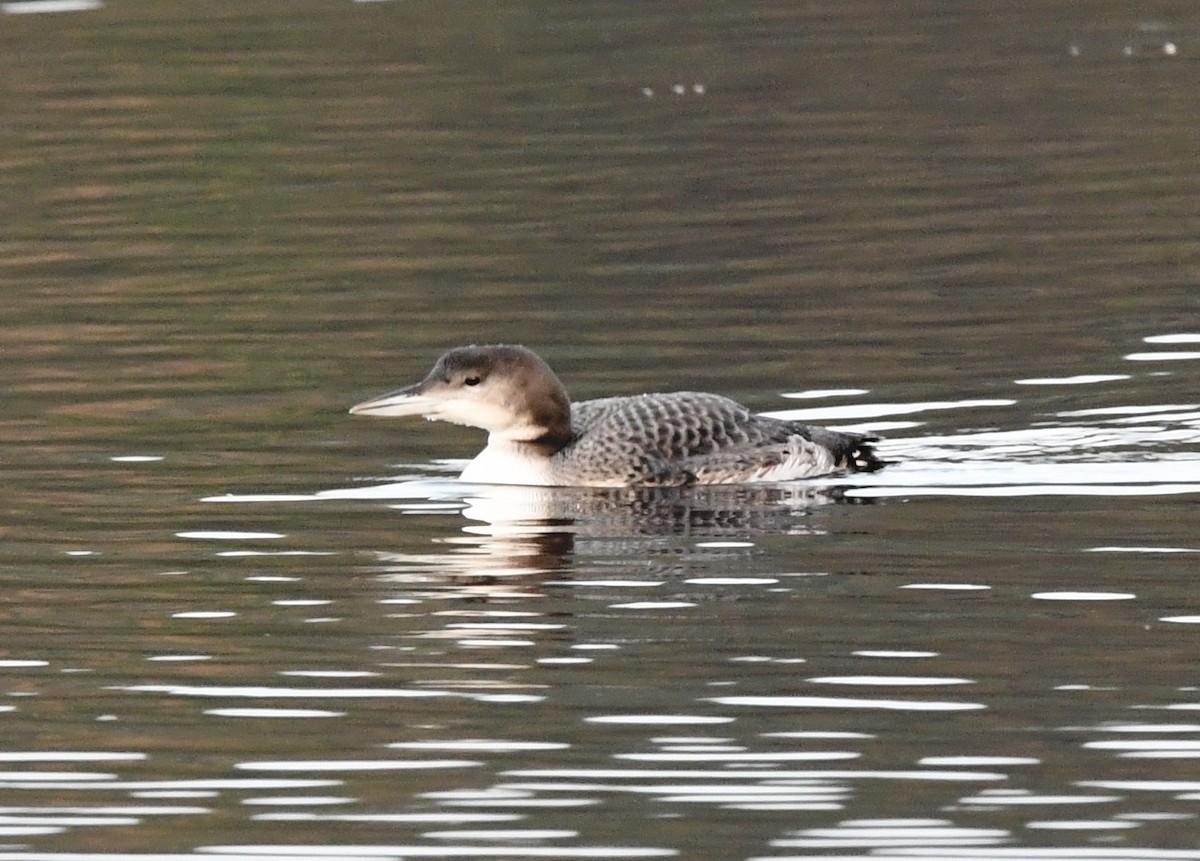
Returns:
(536, 436)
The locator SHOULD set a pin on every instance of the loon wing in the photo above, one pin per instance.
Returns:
(694, 437)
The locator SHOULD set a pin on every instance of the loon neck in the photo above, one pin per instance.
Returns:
(536, 440)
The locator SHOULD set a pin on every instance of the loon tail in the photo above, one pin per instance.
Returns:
(852, 451)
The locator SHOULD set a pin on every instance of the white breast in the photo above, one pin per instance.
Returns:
(503, 463)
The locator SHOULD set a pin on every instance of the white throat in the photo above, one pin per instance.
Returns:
(504, 461)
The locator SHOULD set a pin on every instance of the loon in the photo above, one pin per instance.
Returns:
(536, 436)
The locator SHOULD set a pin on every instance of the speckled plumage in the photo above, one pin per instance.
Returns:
(679, 438)
(538, 437)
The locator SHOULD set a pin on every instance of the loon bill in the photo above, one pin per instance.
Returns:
(536, 436)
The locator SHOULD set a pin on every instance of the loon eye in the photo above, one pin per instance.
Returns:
(471, 381)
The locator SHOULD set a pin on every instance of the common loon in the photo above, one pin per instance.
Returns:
(536, 436)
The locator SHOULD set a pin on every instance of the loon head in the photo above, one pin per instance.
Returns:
(502, 388)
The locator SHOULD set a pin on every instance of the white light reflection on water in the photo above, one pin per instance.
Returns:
(44, 778)
(860, 411)
(69, 756)
(502, 836)
(724, 774)
(1144, 785)
(1149, 747)
(480, 745)
(265, 692)
(846, 703)
(10, 825)
(297, 801)
(947, 587)
(1032, 490)
(826, 393)
(977, 761)
(653, 605)
(201, 785)
(889, 680)
(1077, 380)
(224, 535)
(890, 833)
(1164, 356)
(732, 581)
(823, 734)
(110, 810)
(1080, 825)
(659, 720)
(740, 756)
(35, 7)
(400, 851)
(352, 765)
(1141, 727)
(1141, 550)
(272, 713)
(1010, 797)
(427, 818)
(1182, 338)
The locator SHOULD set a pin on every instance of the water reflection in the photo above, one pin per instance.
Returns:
(891, 834)
(220, 215)
(33, 7)
(517, 531)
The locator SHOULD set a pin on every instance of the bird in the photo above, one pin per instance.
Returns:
(537, 436)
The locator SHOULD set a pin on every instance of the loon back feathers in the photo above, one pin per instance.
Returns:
(695, 437)
(537, 436)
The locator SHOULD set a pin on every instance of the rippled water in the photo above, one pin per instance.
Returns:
(239, 623)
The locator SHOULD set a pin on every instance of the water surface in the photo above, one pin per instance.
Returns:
(240, 623)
